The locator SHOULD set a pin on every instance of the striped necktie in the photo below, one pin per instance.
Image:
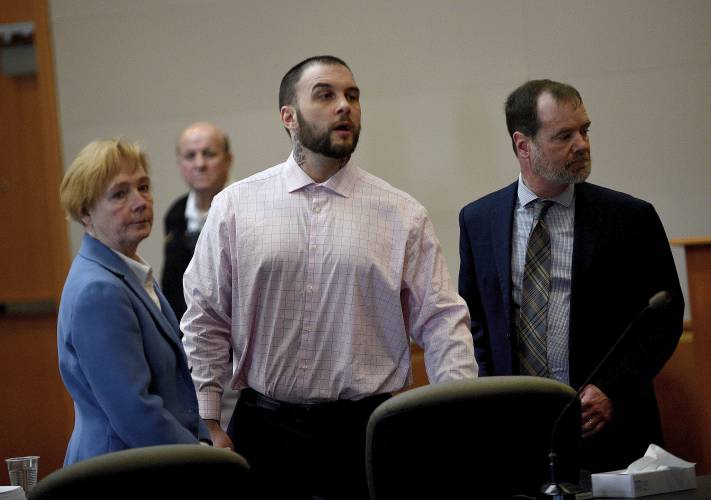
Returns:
(535, 291)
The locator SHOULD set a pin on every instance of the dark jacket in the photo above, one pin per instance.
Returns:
(178, 250)
(621, 258)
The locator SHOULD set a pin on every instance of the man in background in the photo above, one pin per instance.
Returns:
(554, 269)
(204, 159)
(317, 274)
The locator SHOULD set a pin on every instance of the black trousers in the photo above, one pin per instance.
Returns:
(303, 451)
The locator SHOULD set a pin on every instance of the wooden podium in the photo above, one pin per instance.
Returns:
(698, 265)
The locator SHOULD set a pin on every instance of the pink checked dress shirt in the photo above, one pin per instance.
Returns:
(317, 288)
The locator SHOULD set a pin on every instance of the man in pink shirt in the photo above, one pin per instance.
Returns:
(317, 274)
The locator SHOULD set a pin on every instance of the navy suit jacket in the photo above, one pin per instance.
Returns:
(121, 360)
(621, 258)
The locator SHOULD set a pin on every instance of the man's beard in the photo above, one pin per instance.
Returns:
(544, 168)
(320, 142)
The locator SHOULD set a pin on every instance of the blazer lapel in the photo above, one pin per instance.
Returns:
(501, 227)
(586, 237)
(588, 225)
(168, 310)
(94, 250)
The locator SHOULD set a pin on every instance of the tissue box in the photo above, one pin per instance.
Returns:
(640, 484)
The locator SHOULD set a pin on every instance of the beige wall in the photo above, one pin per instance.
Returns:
(433, 75)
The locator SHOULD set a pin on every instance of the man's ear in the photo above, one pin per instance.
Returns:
(523, 144)
(288, 118)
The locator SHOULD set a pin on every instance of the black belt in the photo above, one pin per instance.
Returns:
(320, 408)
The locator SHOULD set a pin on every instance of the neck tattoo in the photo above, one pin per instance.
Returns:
(299, 155)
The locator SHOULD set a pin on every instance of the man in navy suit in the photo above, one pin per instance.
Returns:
(608, 255)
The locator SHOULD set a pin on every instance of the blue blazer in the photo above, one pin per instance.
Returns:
(121, 360)
(621, 257)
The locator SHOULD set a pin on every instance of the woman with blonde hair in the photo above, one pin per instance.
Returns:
(120, 353)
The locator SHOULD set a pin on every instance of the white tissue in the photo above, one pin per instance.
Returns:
(658, 471)
(656, 458)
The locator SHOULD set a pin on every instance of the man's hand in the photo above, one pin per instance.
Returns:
(597, 410)
(220, 439)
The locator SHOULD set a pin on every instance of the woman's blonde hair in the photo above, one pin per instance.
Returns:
(91, 171)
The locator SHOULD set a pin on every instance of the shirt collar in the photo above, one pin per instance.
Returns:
(526, 196)
(193, 215)
(140, 268)
(341, 183)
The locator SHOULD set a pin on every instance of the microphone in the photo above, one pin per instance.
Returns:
(659, 299)
(562, 491)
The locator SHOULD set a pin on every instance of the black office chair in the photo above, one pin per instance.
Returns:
(180, 471)
(486, 438)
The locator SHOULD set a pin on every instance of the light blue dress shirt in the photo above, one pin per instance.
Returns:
(560, 220)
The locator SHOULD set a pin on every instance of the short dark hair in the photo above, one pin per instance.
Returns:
(522, 105)
(287, 93)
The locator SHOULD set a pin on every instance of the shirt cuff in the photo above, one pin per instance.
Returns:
(209, 403)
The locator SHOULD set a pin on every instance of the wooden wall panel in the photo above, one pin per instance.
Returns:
(696, 426)
(680, 405)
(36, 415)
(33, 248)
(419, 372)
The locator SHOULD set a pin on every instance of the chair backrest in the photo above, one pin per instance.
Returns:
(169, 471)
(485, 438)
